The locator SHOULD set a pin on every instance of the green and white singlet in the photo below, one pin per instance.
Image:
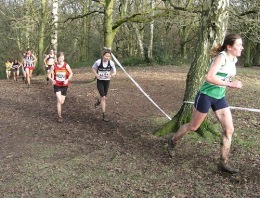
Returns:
(225, 73)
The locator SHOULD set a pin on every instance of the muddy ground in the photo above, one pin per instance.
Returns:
(86, 157)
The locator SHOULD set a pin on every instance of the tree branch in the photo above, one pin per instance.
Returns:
(249, 12)
(140, 17)
(185, 9)
(82, 16)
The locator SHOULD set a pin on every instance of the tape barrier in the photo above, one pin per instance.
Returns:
(232, 107)
(138, 86)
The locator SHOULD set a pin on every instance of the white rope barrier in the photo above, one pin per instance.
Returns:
(138, 86)
(232, 107)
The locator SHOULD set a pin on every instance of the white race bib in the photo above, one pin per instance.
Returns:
(104, 75)
(60, 76)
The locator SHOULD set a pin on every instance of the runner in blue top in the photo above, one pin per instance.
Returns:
(212, 95)
(103, 69)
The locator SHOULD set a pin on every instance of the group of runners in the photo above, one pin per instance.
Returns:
(210, 95)
(13, 68)
(60, 73)
(27, 66)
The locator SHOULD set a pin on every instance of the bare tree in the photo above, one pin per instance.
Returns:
(43, 16)
(150, 46)
(214, 21)
(54, 34)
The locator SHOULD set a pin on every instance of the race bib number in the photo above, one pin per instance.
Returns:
(61, 76)
(104, 75)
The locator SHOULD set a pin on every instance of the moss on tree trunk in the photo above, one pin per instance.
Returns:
(214, 17)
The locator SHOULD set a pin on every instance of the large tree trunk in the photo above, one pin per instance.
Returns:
(109, 33)
(42, 29)
(214, 19)
(84, 51)
(28, 26)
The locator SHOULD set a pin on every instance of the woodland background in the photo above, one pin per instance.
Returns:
(161, 32)
(89, 158)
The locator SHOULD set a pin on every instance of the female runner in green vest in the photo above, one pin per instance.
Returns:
(212, 95)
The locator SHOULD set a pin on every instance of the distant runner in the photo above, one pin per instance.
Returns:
(15, 67)
(8, 67)
(29, 64)
(49, 61)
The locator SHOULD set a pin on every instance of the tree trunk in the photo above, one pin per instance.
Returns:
(256, 59)
(42, 29)
(109, 33)
(247, 61)
(84, 51)
(28, 26)
(54, 33)
(185, 30)
(139, 40)
(183, 44)
(150, 46)
(214, 19)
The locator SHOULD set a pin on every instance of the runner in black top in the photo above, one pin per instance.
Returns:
(49, 61)
(102, 69)
(15, 67)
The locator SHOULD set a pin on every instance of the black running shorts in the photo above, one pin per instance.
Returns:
(204, 102)
(62, 89)
(103, 86)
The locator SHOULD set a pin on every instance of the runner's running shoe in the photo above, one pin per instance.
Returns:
(170, 147)
(227, 168)
(97, 103)
(60, 119)
(105, 119)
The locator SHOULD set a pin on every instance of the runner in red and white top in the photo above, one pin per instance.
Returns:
(61, 80)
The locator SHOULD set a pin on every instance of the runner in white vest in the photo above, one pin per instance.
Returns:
(104, 69)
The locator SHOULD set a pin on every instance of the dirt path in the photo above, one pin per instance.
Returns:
(85, 157)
